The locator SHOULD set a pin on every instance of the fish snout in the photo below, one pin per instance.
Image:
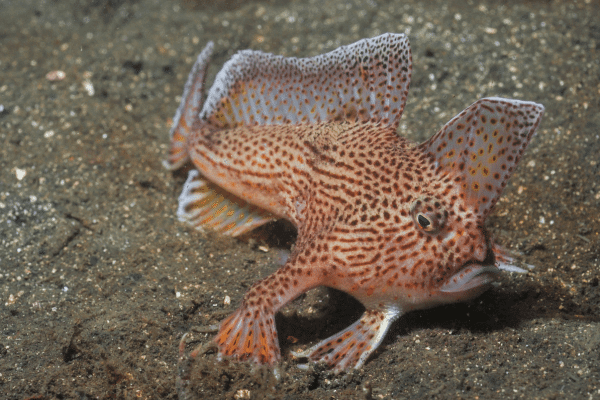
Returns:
(469, 282)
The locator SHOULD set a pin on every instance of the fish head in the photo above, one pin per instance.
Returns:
(453, 260)
(468, 165)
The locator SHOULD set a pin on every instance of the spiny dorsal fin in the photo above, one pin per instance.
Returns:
(188, 110)
(203, 204)
(483, 144)
(365, 81)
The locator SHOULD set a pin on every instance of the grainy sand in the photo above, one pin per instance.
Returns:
(99, 281)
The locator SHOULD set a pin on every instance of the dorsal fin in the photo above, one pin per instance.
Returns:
(367, 80)
(188, 110)
(482, 145)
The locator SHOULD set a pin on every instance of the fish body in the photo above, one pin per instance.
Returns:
(397, 225)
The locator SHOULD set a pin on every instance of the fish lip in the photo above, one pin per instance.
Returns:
(471, 278)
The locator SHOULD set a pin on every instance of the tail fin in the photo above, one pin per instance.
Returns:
(188, 111)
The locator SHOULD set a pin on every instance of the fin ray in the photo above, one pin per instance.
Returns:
(203, 204)
(188, 110)
(351, 347)
(482, 146)
(254, 340)
(366, 80)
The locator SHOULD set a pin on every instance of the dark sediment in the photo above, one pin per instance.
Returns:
(99, 281)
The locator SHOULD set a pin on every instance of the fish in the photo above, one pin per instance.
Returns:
(400, 226)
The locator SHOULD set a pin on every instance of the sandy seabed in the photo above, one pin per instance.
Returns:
(99, 280)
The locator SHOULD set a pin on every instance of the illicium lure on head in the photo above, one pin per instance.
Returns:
(397, 225)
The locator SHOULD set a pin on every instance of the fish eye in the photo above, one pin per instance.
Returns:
(423, 221)
(429, 214)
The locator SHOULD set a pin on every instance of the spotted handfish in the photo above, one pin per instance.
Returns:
(398, 225)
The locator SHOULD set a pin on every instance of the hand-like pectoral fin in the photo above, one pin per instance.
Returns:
(351, 347)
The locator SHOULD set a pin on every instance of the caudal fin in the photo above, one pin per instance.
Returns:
(188, 111)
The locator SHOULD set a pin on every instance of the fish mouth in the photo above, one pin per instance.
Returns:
(473, 280)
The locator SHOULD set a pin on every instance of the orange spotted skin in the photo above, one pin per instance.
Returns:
(352, 195)
(397, 225)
